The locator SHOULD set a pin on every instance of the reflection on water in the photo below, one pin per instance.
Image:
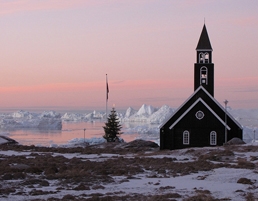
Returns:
(69, 131)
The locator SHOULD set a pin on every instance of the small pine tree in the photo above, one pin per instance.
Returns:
(113, 127)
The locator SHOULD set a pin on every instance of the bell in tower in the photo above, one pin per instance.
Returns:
(204, 68)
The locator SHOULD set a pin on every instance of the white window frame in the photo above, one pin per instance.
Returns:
(201, 58)
(206, 57)
(203, 75)
(213, 138)
(199, 114)
(186, 137)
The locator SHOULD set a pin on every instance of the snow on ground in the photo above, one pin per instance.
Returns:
(3, 141)
(221, 183)
(90, 141)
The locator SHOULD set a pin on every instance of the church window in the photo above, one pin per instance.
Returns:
(206, 57)
(213, 138)
(204, 75)
(186, 137)
(199, 114)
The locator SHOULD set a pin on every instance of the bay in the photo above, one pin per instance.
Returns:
(70, 130)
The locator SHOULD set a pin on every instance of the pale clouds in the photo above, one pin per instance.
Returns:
(17, 6)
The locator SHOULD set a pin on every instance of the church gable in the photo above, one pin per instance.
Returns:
(200, 122)
(199, 93)
(202, 95)
(197, 108)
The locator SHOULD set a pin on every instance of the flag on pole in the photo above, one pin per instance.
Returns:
(107, 88)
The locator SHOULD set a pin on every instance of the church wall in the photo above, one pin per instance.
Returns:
(199, 129)
(166, 138)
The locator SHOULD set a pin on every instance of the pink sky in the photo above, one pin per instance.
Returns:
(57, 53)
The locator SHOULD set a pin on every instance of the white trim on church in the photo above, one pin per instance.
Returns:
(196, 91)
(205, 104)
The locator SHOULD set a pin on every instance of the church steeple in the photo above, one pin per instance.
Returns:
(204, 41)
(204, 68)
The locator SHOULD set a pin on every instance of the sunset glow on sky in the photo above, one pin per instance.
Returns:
(57, 53)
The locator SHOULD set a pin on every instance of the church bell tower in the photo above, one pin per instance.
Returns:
(204, 68)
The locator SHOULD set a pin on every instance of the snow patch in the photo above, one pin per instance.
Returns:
(90, 141)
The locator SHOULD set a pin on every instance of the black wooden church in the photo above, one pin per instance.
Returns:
(201, 120)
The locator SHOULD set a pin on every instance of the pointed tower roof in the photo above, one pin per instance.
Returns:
(204, 41)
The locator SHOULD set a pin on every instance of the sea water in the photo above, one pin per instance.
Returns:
(70, 130)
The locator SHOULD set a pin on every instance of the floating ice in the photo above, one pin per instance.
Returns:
(72, 117)
(129, 112)
(50, 114)
(22, 114)
(160, 115)
(89, 141)
(141, 116)
(47, 120)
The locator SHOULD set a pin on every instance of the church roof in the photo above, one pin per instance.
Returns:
(207, 106)
(204, 41)
(203, 96)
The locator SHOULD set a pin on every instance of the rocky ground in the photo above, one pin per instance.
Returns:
(128, 171)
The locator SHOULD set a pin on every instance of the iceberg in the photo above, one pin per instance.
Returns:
(22, 114)
(47, 120)
(141, 115)
(72, 117)
(129, 112)
(146, 110)
(50, 124)
(160, 115)
(50, 114)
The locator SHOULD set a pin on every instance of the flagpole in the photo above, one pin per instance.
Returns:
(107, 90)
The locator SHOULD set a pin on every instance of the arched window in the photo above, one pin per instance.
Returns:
(186, 137)
(206, 57)
(203, 75)
(201, 58)
(213, 138)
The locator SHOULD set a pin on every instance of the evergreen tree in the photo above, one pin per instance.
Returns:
(112, 127)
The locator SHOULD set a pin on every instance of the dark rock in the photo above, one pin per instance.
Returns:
(36, 181)
(245, 181)
(95, 187)
(8, 140)
(19, 175)
(81, 187)
(141, 143)
(7, 176)
(51, 170)
(68, 197)
(235, 141)
(19, 166)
